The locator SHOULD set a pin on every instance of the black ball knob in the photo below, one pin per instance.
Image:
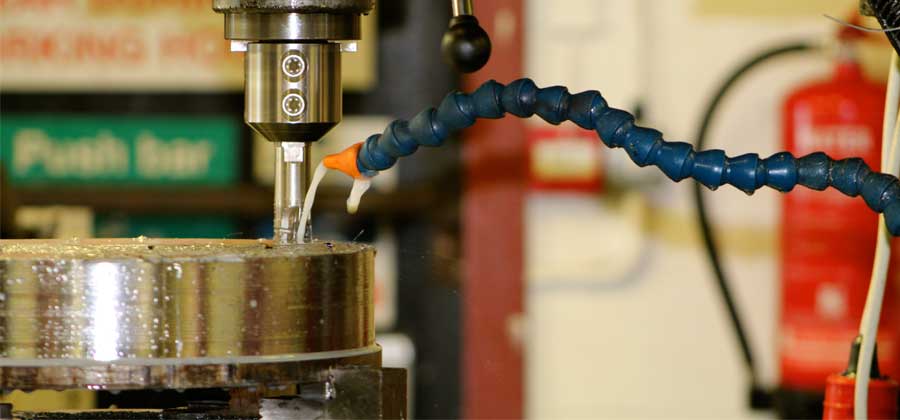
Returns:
(466, 46)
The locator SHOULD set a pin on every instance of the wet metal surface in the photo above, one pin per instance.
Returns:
(355, 393)
(308, 6)
(138, 313)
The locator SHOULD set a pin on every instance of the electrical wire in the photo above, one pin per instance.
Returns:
(758, 394)
(859, 27)
(868, 326)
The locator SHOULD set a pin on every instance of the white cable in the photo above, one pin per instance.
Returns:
(891, 106)
(868, 326)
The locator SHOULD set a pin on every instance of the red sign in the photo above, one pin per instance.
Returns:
(115, 44)
(564, 158)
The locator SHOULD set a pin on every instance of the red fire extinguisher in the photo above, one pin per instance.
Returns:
(827, 239)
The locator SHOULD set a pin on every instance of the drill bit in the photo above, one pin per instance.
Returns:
(292, 171)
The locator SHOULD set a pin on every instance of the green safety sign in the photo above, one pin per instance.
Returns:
(109, 150)
(120, 226)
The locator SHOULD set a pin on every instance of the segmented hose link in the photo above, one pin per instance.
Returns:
(678, 160)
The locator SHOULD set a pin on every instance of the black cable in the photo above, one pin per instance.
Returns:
(759, 396)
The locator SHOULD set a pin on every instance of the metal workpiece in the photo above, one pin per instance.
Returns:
(348, 393)
(292, 91)
(293, 166)
(301, 6)
(351, 392)
(153, 313)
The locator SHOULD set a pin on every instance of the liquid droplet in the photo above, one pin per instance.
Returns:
(360, 186)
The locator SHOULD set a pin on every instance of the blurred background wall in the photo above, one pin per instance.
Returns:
(623, 319)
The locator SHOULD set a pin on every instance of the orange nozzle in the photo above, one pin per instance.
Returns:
(345, 161)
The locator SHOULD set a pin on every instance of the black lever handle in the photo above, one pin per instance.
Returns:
(466, 46)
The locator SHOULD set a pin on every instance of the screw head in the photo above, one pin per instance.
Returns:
(293, 65)
(293, 104)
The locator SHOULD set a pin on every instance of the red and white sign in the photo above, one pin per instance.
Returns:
(564, 158)
(115, 45)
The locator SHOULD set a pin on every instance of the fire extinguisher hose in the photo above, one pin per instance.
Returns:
(759, 397)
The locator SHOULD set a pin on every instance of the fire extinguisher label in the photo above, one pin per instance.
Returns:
(846, 140)
(807, 350)
(828, 239)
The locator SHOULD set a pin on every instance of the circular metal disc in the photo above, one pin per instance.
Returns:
(300, 6)
(291, 26)
(142, 313)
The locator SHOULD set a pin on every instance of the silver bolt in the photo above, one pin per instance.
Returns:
(293, 65)
(293, 105)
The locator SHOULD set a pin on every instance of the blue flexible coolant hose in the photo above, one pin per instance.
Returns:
(678, 160)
